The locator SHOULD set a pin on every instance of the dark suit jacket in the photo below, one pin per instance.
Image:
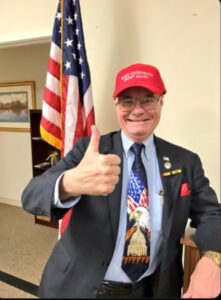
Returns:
(81, 257)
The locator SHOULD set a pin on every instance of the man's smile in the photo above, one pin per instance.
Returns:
(138, 121)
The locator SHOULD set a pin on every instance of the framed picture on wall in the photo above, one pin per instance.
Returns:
(16, 98)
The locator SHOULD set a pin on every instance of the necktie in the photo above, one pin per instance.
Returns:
(137, 241)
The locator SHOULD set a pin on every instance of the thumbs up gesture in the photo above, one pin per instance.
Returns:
(96, 174)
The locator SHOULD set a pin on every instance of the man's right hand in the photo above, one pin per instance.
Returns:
(96, 174)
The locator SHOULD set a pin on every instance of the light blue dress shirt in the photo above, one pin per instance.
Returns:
(150, 161)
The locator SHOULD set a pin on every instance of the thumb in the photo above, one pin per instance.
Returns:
(95, 139)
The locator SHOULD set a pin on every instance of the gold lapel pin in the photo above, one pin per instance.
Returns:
(177, 171)
(167, 165)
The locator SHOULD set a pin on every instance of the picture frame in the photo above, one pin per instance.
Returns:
(16, 99)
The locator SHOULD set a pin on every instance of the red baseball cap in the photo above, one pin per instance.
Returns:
(145, 76)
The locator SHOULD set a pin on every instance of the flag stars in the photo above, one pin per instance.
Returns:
(68, 42)
(80, 60)
(79, 46)
(70, 20)
(82, 75)
(74, 56)
(77, 31)
(135, 187)
(67, 65)
(75, 16)
(58, 16)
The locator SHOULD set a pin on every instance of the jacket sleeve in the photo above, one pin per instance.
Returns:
(205, 211)
(37, 196)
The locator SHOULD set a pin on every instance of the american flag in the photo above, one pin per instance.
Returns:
(137, 193)
(67, 110)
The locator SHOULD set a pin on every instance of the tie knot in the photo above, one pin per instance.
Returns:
(137, 148)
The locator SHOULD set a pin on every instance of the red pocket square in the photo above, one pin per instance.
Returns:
(185, 190)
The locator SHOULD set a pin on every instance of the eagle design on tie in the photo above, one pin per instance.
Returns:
(137, 245)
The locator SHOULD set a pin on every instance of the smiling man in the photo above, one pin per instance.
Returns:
(132, 194)
(138, 112)
(138, 119)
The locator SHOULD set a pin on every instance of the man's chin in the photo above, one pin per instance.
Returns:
(138, 135)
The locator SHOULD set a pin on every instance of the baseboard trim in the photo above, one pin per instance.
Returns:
(11, 202)
(19, 283)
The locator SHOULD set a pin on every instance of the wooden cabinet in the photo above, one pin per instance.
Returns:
(41, 152)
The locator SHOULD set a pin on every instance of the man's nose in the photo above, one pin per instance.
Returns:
(138, 106)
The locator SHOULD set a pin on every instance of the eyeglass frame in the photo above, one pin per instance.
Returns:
(154, 97)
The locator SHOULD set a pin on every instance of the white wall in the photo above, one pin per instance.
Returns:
(182, 38)
(25, 19)
(19, 64)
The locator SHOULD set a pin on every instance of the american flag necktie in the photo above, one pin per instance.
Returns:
(137, 241)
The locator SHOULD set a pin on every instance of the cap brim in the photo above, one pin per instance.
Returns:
(148, 87)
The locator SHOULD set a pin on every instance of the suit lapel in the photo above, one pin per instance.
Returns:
(114, 199)
(171, 176)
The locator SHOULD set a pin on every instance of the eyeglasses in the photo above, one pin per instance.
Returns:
(128, 103)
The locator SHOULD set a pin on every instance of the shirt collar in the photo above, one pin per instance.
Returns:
(127, 143)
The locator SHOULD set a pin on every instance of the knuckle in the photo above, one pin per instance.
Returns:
(118, 170)
(106, 170)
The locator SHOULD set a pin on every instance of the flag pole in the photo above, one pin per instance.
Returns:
(61, 77)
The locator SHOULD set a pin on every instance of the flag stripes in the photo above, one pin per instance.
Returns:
(67, 109)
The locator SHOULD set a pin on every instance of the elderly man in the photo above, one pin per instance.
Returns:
(132, 194)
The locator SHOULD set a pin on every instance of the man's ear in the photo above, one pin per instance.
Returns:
(162, 100)
(116, 101)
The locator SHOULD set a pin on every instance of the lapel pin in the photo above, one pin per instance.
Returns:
(166, 174)
(173, 172)
(166, 158)
(167, 165)
(178, 171)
